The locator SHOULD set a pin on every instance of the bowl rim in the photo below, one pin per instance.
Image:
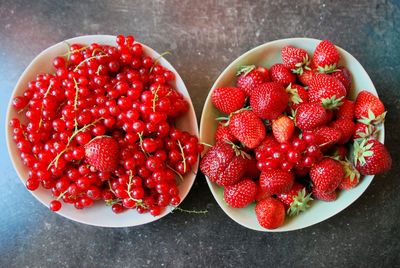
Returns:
(219, 200)
(82, 39)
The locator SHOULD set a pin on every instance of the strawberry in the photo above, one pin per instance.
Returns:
(100, 153)
(247, 128)
(228, 99)
(295, 59)
(346, 110)
(326, 175)
(261, 194)
(269, 100)
(283, 128)
(267, 142)
(326, 57)
(363, 131)
(329, 117)
(296, 200)
(343, 75)
(310, 115)
(351, 176)
(270, 213)
(324, 196)
(276, 181)
(240, 194)
(251, 77)
(346, 127)
(371, 157)
(297, 95)
(282, 75)
(327, 90)
(222, 133)
(306, 77)
(368, 108)
(326, 136)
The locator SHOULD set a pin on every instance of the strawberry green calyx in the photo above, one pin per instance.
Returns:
(327, 69)
(332, 103)
(372, 119)
(300, 203)
(300, 66)
(237, 150)
(294, 94)
(245, 69)
(350, 171)
(369, 131)
(361, 150)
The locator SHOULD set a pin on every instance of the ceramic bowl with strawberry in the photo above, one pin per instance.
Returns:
(102, 130)
(295, 130)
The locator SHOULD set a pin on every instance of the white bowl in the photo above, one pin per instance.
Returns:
(98, 214)
(266, 55)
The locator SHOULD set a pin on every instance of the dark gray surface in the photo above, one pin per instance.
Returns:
(204, 36)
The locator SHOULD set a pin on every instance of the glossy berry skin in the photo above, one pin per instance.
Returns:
(346, 127)
(294, 58)
(268, 141)
(270, 213)
(241, 194)
(306, 77)
(326, 56)
(324, 196)
(221, 164)
(250, 77)
(346, 110)
(280, 74)
(101, 152)
(247, 128)
(228, 99)
(269, 100)
(327, 90)
(310, 115)
(351, 176)
(366, 102)
(371, 157)
(326, 175)
(223, 134)
(344, 76)
(55, 205)
(296, 199)
(297, 95)
(283, 128)
(326, 136)
(276, 181)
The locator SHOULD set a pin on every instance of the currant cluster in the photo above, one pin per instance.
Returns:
(299, 155)
(99, 92)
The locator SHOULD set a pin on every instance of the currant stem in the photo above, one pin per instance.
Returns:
(183, 156)
(190, 211)
(177, 173)
(158, 59)
(88, 59)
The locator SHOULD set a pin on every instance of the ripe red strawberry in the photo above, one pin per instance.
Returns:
(101, 153)
(306, 77)
(222, 133)
(297, 95)
(261, 194)
(368, 108)
(251, 77)
(283, 128)
(326, 57)
(268, 141)
(282, 75)
(371, 157)
(329, 117)
(324, 196)
(240, 194)
(295, 59)
(270, 213)
(224, 164)
(296, 200)
(247, 128)
(343, 75)
(346, 127)
(269, 100)
(228, 99)
(351, 176)
(327, 90)
(326, 136)
(310, 115)
(276, 181)
(346, 110)
(363, 131)
(326, 175)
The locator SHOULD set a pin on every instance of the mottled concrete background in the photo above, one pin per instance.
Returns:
(204, 36)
